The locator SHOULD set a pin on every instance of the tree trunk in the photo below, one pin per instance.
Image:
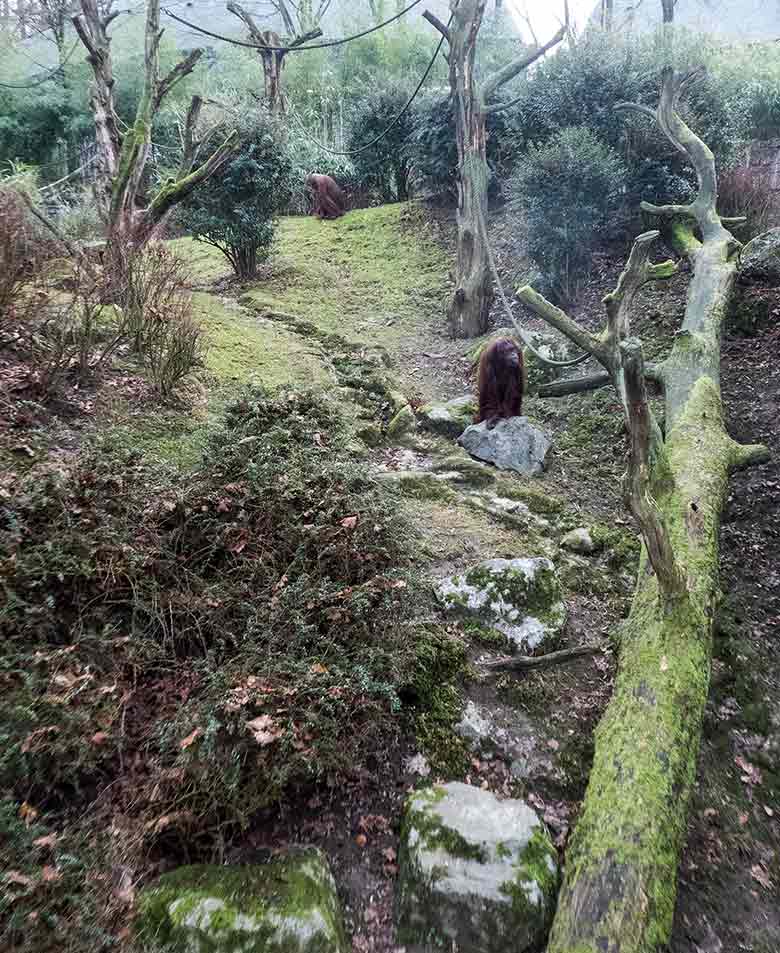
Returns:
(469, 309)
(122, 159)
(667, 7)
(621, 864)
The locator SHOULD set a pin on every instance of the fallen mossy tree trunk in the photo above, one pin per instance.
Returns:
(620, 878)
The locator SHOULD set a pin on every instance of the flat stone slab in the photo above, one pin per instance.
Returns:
(288, 905)
(513, 444)
(476, 873)
(521, 598)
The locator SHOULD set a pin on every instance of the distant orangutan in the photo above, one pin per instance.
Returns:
(328, 200)
(500, 382)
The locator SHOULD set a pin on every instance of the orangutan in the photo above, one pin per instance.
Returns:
(500, 382)
(328, 200)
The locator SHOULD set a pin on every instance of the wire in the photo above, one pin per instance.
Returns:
(70, 175)
(49, 75)
(398, 118)
(292, 49)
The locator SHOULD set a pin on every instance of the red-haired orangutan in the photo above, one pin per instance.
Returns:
(500, 382)
(327, 198)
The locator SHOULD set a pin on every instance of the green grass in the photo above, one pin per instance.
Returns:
(366, 274)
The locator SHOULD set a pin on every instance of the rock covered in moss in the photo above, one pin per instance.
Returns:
(519, 597)
(449, 419)
(513, 444)
(288, 905)
(402, 423)
(579, 541)
(760, 259)
(476, 873)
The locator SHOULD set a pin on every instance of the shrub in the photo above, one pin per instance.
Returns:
(21, 250)
(155, 278)
(175, 347)
(236, 212)
(744, 191)
(567, 189)
(384, 167)
(68, 332)
(256, 614)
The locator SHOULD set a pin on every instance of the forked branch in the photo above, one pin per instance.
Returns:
(671, 581)
(703, 209)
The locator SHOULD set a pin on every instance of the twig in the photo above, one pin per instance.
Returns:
(522, 663)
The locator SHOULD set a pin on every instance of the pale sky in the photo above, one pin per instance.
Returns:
(547, 15)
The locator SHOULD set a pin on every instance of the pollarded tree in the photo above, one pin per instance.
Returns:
(270, 44)
(236, 214)
(621, 864)
(469, 309)
(122, 157)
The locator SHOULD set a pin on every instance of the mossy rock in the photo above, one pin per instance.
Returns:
(370, 434)
(449, 419)
(402, 423)
(471, 472)
(476, 873)
(519, 597)
(289, 905)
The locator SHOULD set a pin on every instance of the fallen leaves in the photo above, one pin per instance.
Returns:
(264, 730)
(191, 738)
(750, 773)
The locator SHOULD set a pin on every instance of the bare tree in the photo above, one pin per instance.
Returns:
(621, 866)
(667, 7)
(268, 44)
(123, 158)
(469, 308)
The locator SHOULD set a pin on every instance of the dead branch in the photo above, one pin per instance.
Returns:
(176, 75)
(637, 272)
(524, 663)
(579, 385)
(72, 249)
(671, 580)
(437, 24)
(491, 86)
(563, 323)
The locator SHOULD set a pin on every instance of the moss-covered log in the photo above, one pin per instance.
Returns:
(620, 878)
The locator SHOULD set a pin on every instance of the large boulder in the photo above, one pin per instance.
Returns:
(449, 419)
(759, 260)
(520, 598)
(513, 444)
(476, 873)
(288, 905)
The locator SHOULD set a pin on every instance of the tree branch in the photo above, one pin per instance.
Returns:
(637, 272)
(73, 250)
(190, 144)
(671, 581)
(182, 69)
(563, 323)
(703, 208)
(174, 192)
(749, 455)
(436, 22)
(491, 85)
(524, 663)
(578, 385)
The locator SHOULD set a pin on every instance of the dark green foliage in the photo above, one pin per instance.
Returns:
(567, 189)
(385, 166)
(235, 213)
(433, 151)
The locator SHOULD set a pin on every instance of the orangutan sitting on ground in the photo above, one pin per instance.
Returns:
(500, 382)
(327, 198)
